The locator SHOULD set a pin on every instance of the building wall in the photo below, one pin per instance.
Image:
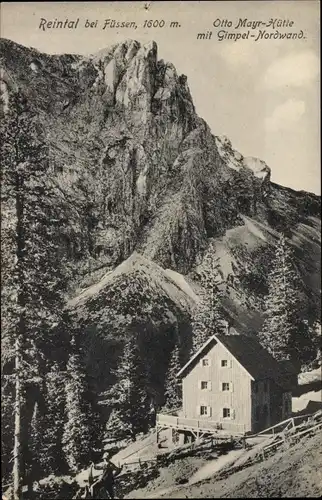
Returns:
(281, 404)
(286, 405)
(261, 404)
(270, 404)
(238, 399)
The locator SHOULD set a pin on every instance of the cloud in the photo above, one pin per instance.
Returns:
(285, 115)
(294, 70)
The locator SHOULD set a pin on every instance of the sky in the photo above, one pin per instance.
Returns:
(264, 94)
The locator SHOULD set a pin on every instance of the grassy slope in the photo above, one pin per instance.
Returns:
(293, 472)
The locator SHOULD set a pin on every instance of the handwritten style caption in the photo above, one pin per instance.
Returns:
(221, 28)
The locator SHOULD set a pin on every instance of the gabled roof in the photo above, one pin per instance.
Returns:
(202, 351)
(248, 352)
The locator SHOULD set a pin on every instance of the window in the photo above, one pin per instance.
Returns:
(265, 410)
(265, 386)
(226, 413)
(205, 362)
(224, 363)
(204, 385)
(225, 386)
(203, 410)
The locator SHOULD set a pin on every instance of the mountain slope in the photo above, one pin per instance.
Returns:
(136, 297)
(292, 472)
(136, 169)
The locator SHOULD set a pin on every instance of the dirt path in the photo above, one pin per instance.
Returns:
(207, 470)
(215, 465)
(296, 472)
(165, 491)
(291, 472)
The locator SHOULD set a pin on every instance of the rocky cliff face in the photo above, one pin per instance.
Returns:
(136, 169)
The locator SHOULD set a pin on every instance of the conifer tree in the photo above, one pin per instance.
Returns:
(7, 437)
(207, 318)
(36, 460)
(128, 397)
(172, 391)
(33, 429)
(116, 428)
(33, 271)
(33, 284)
(285, 333)
(54, 420)
(77, 442)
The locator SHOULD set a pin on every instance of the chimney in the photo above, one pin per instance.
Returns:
(226, 327)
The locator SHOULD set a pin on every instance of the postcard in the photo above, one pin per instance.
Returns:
(161, 249)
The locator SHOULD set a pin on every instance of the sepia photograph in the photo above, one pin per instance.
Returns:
(160, 249)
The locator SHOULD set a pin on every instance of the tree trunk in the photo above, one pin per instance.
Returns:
(17, 440)
(20, 254)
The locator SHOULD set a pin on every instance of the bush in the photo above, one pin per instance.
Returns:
(55, 488)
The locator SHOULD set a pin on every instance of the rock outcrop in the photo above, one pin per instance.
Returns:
(136, 169)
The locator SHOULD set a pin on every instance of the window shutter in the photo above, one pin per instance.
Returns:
(231, 387)
(232, 414)
(220, 386)
(209, 385)
(200, 362)
(199, 384)
(230, 363)
(198, 410)
(209, 411)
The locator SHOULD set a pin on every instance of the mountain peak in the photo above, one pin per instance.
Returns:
(122, 124)
(143, 188)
